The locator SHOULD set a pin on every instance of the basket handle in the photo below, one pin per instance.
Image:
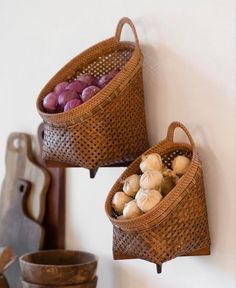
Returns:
(171, 130)
(121, 23)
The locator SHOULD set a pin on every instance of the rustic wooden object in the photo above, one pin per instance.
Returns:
(3, 282)
(109, 128)
(58, 267)
(6, 259)
(54, 220)
(17, 230)
(89, 284)
(178, 225)
(159, 268)
(201, 252)
(20, 164)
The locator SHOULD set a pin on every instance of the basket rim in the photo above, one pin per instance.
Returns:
(23, 261)
(163, 208)
(104, 97)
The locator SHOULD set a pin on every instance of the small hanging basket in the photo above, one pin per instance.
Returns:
(110, 128)
(176, 226)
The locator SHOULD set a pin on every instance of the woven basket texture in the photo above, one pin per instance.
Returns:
(110, 128)
(176, 226)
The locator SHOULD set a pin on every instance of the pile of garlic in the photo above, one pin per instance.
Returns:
(142, 192)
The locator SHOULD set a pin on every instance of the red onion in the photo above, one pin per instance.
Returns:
(104, 80)
(72, 104)
(89, 92)
(88, 79)
(76, 86)
(50, 102)
(66, 96)
(60, 87)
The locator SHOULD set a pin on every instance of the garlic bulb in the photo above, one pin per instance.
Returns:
(151, 162)
(131, 210)
(138, 193)
(151, 180)
(147, 199)
(119, 200)
(131, 185)
(180, 164)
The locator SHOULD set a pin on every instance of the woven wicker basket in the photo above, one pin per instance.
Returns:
(178, 225)
(110, 128)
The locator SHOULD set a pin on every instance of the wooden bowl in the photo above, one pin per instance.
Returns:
(89, 284)
(58, 267)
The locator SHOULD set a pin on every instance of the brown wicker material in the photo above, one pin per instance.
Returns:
(176, 226)
(110, 128)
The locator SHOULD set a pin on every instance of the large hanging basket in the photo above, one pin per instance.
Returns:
(110, 128)
(177, 225)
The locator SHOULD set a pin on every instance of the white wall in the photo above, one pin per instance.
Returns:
(189, 74)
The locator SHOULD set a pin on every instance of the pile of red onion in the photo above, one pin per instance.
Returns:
(67, 96)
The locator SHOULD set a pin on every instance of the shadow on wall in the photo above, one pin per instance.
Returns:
(176, 90)
(117, 275)
(222, 246)
(211, 192)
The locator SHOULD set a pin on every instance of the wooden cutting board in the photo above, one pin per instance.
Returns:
(17, 230)
(20, 164)
(25, 183)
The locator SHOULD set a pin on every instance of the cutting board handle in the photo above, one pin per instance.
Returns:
(23, 187)
(19, 142)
